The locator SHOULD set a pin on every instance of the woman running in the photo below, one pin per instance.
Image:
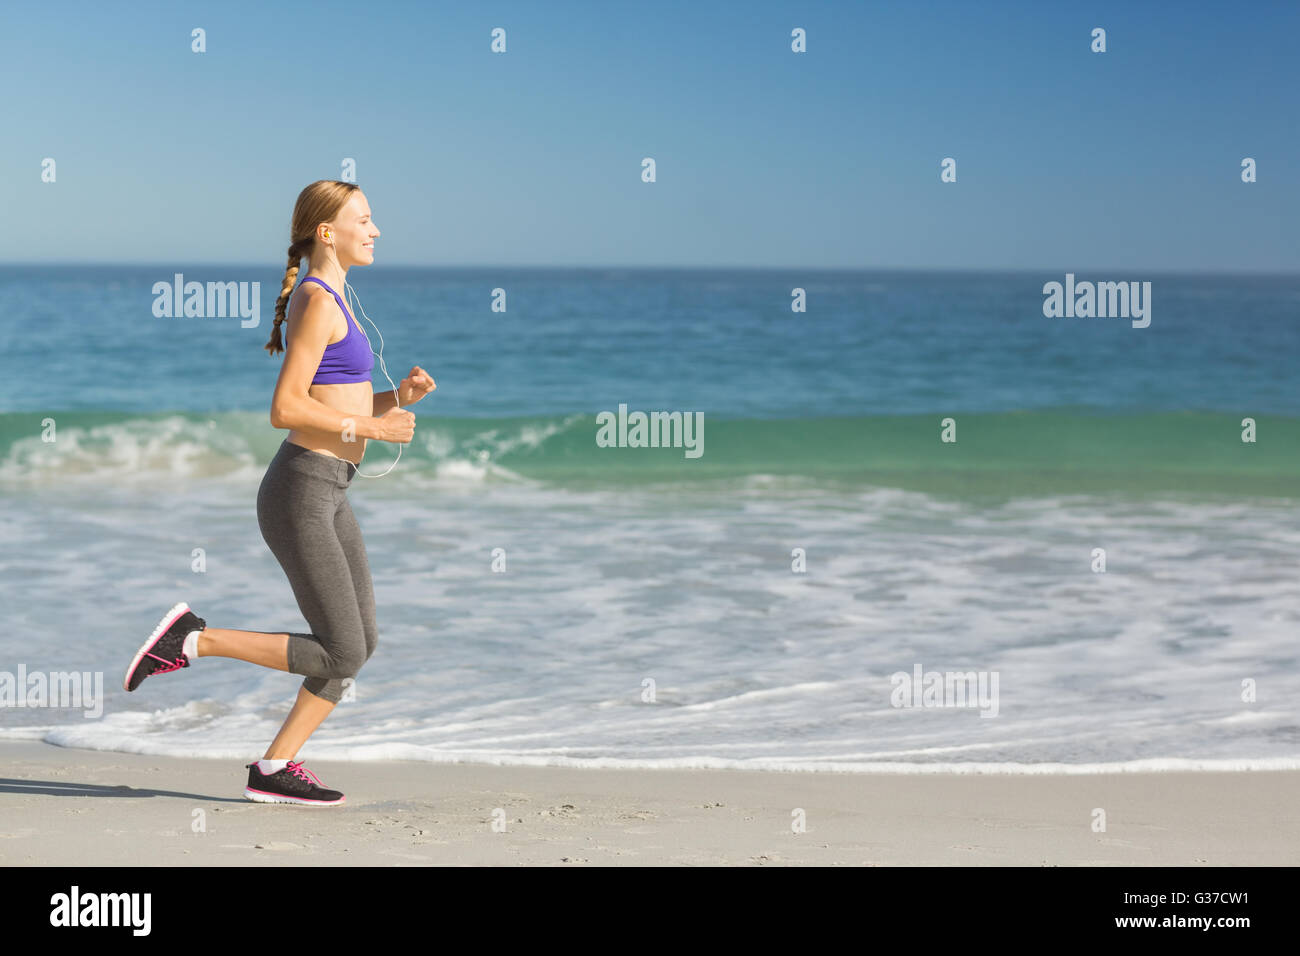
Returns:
(324, 397)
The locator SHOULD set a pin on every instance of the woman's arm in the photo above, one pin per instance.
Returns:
(291, 406)
(384, 401)
(413, 388)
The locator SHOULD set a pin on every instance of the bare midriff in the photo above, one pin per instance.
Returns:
(354, 399)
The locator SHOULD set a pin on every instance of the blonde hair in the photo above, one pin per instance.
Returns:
(319, 202)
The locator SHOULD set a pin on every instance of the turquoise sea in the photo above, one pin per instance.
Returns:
(743, 608)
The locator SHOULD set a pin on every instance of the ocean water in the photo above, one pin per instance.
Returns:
(746, 608)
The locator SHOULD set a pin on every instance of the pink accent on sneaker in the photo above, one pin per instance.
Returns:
(167, 666)
(300, 799)
(165, 625)
(298, 770)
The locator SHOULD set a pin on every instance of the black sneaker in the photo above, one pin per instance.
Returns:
(161, 654)
(294, 784)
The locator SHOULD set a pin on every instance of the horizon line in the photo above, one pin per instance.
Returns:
(643, 267)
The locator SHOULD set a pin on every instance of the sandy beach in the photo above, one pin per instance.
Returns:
(69, 807)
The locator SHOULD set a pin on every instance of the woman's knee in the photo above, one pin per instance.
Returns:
(346, 663)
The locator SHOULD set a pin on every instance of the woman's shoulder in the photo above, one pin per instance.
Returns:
(311, 304)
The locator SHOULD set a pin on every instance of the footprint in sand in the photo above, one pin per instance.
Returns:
(637, 815)
(277, 845)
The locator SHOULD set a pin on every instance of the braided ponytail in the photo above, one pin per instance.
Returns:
(296, 252)
(319, 202)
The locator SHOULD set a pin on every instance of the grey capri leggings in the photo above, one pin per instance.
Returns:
(305, 518)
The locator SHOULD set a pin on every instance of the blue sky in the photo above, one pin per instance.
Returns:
(1067, 160)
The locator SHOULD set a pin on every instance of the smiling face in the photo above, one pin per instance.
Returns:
(353, 232)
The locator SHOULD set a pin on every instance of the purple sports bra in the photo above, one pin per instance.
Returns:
(347, 360)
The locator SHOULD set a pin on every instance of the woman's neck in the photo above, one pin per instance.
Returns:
(331, 272)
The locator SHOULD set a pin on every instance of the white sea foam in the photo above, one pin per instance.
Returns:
(1149, 666)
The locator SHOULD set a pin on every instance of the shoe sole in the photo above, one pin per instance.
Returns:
(261, 796)
(170, 618)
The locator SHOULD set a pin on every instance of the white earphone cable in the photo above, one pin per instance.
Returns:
(384, 368)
